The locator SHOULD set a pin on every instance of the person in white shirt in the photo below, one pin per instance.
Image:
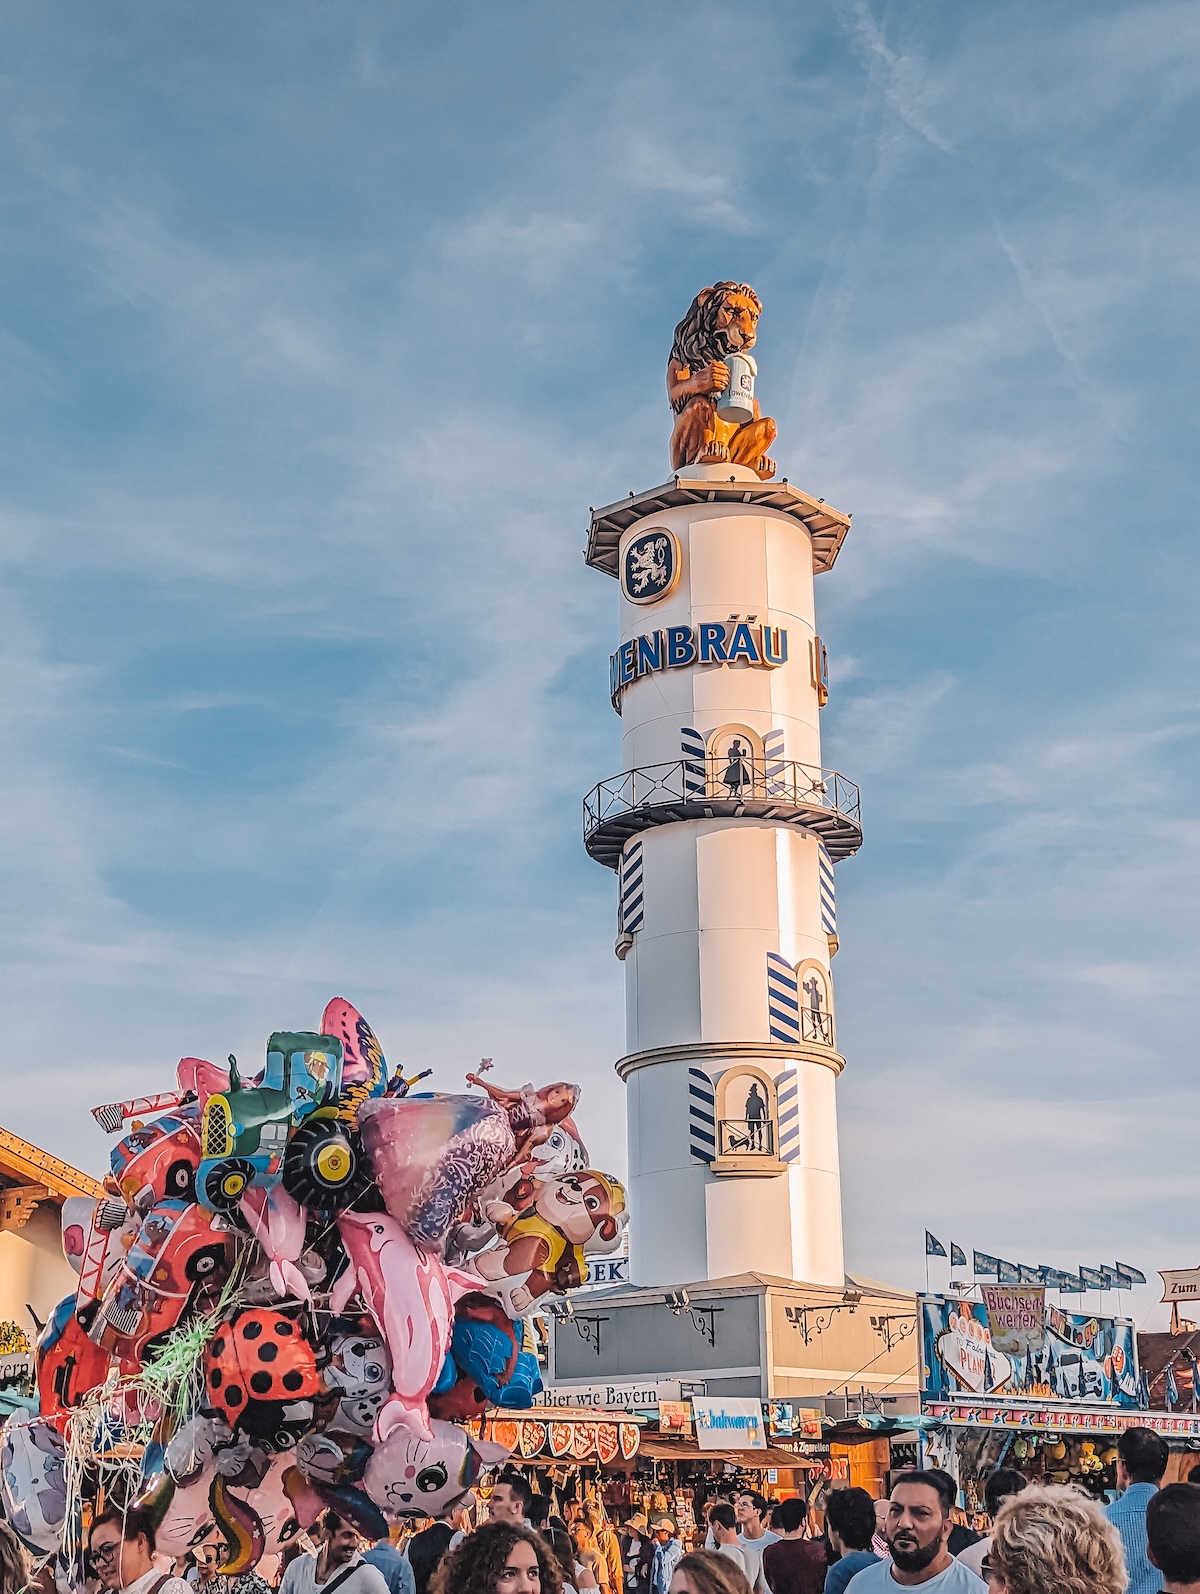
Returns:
(751, 1509)
(121, 1548)
(918, 1526)
(722, 1519)
(337, 1564)
(1001, 1485)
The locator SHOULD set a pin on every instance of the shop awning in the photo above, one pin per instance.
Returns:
(688, 1450)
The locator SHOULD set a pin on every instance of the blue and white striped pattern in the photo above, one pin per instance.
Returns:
(828, 900)
(632, 896)
(773, 763)
(695, 783)
(783, 1000)
(702, 1115)
(787, 1094)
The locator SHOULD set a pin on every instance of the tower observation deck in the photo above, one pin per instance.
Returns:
(723, 827)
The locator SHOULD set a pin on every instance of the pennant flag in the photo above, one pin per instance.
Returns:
(958, 1257)
(985, 1266)
(1195, 1371)
(1172, 1389)
(1009, 1272)
(1094, 1278)
(933, 1247)
(1134, 1273)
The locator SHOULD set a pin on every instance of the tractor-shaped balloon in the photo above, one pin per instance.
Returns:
(283, 1126)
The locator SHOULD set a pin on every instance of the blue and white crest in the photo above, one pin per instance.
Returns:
(650, 566)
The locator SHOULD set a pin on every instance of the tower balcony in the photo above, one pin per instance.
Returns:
(781, 792)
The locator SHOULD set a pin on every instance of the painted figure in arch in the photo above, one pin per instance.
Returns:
(756, 1117)
(736, 773)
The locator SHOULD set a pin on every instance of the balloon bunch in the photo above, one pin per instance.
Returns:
(297, 1292)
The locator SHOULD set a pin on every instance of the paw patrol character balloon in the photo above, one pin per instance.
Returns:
(542, 1247)
(359, 1373)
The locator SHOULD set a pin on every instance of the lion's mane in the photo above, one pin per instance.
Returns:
(698, 340)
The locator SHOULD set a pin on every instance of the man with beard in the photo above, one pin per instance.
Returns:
(918, 1525)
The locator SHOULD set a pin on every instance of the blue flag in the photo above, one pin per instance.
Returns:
(958, 1257)
(1010, 1273)
(1071, 1284)
(1028, 1275)
(985, 1266)
(933, 1247)
(1133, 1273)
(1094, 1278)
(1172, 1389)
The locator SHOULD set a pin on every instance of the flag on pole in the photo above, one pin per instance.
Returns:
(1071, 1284)
(1110, 1277)
(1028, 1275)
(933, 1246)
(1123, 1277)
(1172, 1389)
(985, 1266)
(1134, 1273)
(958, 1257)
(1195, 1371)
(1010, 1273)
(1094, 1278)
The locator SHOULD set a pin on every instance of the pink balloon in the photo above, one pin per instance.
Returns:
(278, 1223)
(410, 1475)
(411, 1294)
(432, 1155)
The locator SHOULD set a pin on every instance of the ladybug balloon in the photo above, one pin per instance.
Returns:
(259, 1355)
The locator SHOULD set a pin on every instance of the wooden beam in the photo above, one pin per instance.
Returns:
(17, 1204)
(21, 1160)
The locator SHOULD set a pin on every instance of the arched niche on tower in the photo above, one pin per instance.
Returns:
(735, 761)
(747, 1111)
(815, 992)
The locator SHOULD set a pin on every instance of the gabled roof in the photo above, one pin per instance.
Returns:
(27, 1164)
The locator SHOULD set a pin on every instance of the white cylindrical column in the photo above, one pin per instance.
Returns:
(723, 828)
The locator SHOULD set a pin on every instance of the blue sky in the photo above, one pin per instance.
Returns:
(322, 327)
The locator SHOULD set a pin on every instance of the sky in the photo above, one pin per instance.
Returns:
(322, 326)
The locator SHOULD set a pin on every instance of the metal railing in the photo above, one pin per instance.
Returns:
(693, 788)
(745, 1137)
(816, 1026)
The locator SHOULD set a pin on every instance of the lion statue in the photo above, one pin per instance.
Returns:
(723, 320)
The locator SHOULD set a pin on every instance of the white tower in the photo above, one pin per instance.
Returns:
(723, 829)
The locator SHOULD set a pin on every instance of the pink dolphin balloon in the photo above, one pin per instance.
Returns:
(278, 1223)
(410, 1293)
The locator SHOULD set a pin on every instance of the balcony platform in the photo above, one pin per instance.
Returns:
(799, 795)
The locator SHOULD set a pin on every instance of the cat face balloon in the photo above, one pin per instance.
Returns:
(408, 1476)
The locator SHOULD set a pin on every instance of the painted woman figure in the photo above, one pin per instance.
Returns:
(737, 770)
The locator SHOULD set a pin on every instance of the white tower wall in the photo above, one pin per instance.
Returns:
(725, 881)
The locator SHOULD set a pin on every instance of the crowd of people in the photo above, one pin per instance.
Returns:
(1043, 1540)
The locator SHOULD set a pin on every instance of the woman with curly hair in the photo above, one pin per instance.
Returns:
(499, 1558)
(1054, 1538)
